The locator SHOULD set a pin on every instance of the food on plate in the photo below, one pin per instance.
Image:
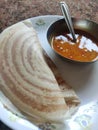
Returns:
(85, 48)
(30, 79)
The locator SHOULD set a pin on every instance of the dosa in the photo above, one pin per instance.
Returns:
(29, 78)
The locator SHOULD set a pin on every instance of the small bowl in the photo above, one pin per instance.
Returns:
(60, 27)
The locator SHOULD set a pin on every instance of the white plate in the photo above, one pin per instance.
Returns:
(83, 79)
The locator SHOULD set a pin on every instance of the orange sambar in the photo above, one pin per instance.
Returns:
(84, 49)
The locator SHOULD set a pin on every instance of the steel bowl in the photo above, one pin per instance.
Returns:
(59, 27)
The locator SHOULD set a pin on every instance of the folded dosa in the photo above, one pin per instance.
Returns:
(30, 79)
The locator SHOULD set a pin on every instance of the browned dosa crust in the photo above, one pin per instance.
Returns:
(30, 79)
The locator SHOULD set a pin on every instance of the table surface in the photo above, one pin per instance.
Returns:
(13, 11)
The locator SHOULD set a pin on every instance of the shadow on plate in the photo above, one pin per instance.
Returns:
(76, 75)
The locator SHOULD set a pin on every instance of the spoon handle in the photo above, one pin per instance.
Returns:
(67, 18)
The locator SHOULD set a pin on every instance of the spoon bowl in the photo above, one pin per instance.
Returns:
(59, 27)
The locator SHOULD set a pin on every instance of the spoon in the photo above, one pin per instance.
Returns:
(67, 18)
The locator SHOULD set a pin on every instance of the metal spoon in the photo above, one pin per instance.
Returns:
(67, 18)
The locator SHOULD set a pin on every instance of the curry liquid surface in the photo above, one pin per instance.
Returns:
(84, 49)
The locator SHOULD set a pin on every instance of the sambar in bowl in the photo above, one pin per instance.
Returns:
(84, 50)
